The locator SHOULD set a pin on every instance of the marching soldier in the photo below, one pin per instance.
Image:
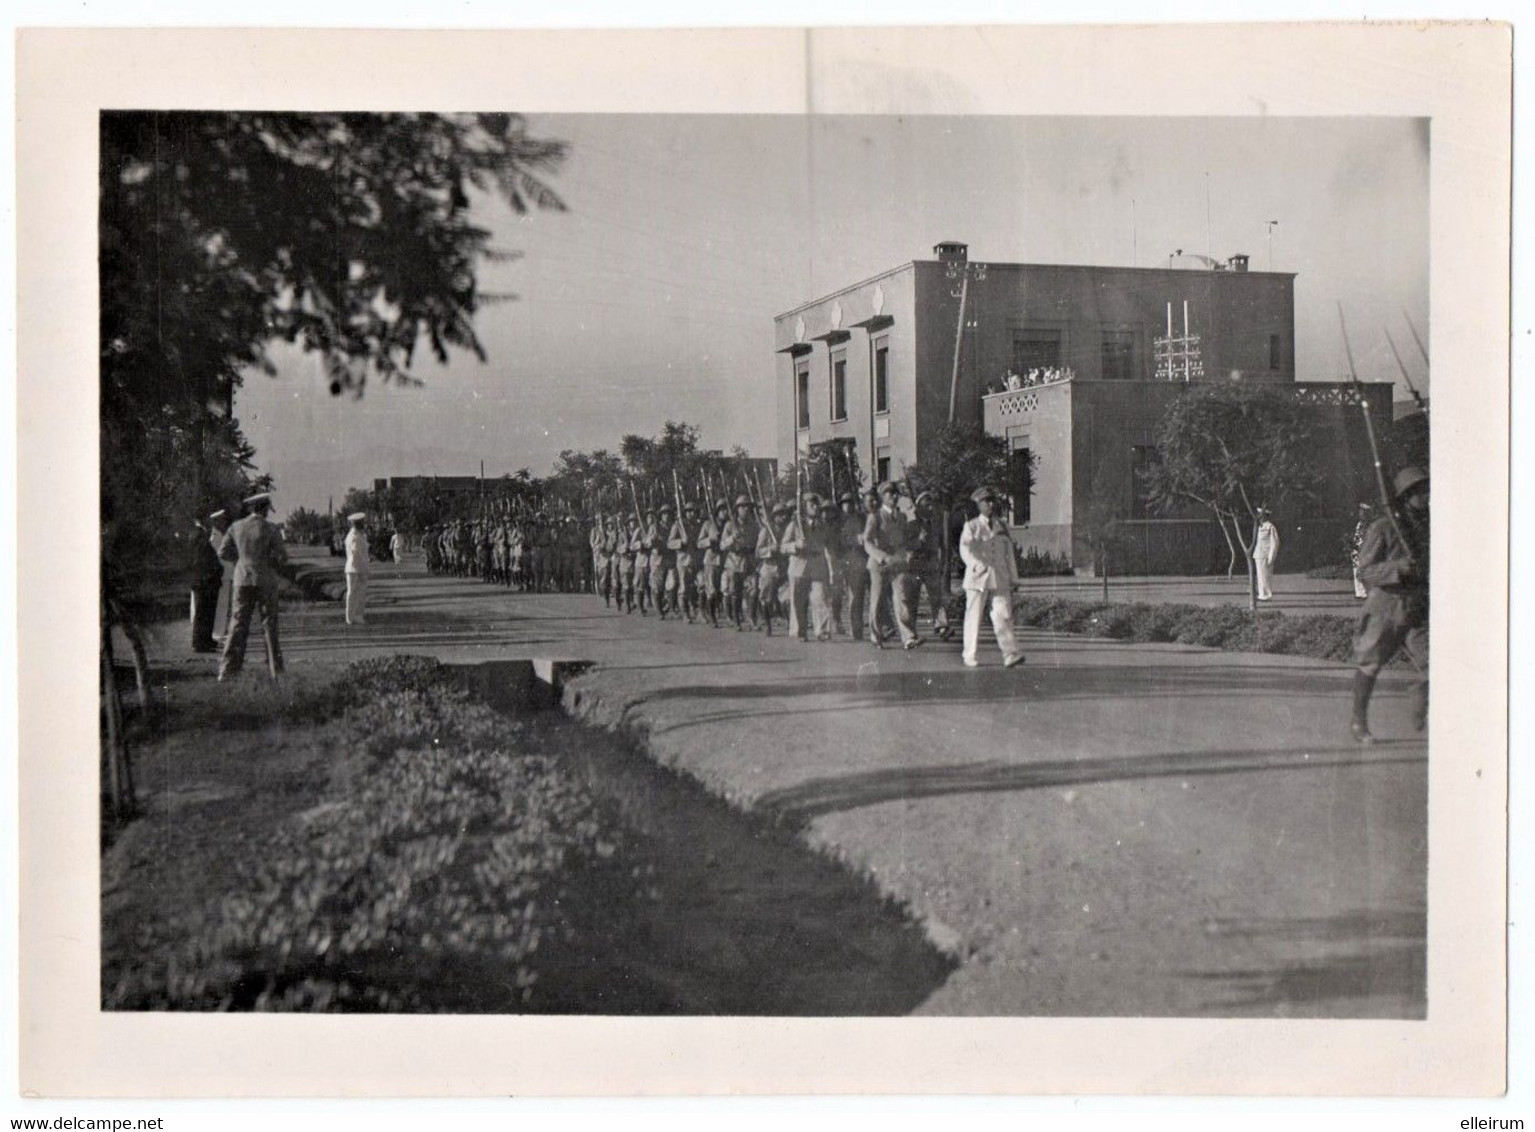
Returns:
(255, 547)
(519, 555)
(927, 566)
(1395, 614)
(662, 559)
(642, 544)
(539, 542)
(486, 559)
(594, 540)
(738, 542)
(713, 560)
(684, 555)
(805, 542)
(628, 547)
(770, 565)
(888, 537)
(852, 566)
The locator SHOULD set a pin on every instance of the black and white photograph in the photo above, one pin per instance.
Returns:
(730, 565)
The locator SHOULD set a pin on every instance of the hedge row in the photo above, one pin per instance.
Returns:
(1226, 627)
(443, 848)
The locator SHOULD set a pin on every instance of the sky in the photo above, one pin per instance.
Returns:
(653, 297)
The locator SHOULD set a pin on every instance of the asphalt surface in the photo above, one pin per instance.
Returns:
(1109, 829)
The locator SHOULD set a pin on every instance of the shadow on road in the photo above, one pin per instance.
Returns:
(1365, 955)
(809, 800)
(1038, 683)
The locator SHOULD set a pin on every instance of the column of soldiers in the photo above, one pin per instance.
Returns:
(534, 553)
(849, 566)
(855, 566)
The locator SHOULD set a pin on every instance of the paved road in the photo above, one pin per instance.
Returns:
(1109, 829)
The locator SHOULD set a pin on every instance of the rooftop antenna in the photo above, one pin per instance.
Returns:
(1272, 224)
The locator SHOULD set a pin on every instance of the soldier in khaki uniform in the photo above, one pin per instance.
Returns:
(682, 580)
(661, 561)
(805, 542)
(1395, 614)
(770, 565)
(714, 560)
(256, 548)
(888, 537)
(623, 581)
(738, 542)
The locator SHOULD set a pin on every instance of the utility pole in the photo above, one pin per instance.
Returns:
(1272, 224)
(961, 272)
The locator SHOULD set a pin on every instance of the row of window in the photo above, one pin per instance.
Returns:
(880, 371)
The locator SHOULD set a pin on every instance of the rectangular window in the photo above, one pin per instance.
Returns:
(1119, 355)
(1274, 354)
(802, 397)
(882, 469)
(882, 378)
(1020, 484)
(1035, 349)
(839, 388)
(1143, 458)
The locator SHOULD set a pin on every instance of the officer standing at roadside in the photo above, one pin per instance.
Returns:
(256, 548)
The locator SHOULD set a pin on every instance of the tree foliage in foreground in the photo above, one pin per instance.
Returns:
(222, 234)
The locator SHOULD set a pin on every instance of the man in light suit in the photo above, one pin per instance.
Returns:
(888, 537)
(986, 548)
(356, 569)
(256, 548)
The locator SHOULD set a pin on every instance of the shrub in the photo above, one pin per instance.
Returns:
(449, 849)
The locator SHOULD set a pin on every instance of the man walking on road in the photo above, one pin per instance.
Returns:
(1393, 564)
(852, 581)
(888, 537)
(986, 548)
(804, 541)
(255, 547)
(738, 541)
(356, 569)
(1265, 550)
(714, 560)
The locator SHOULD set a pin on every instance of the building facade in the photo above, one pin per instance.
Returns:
(1074, 366)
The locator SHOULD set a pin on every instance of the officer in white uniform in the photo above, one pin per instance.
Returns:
(356, 569)
(1265, 550)
(986, 548)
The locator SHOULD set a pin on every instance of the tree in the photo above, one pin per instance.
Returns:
(224, 233)
(964, 457)
(1100, 521)
(1231, 449)
(308, 528)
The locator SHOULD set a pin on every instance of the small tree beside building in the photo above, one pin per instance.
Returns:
(1232, 449)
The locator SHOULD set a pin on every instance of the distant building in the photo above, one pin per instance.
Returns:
(1074, 365)
(448, 485)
